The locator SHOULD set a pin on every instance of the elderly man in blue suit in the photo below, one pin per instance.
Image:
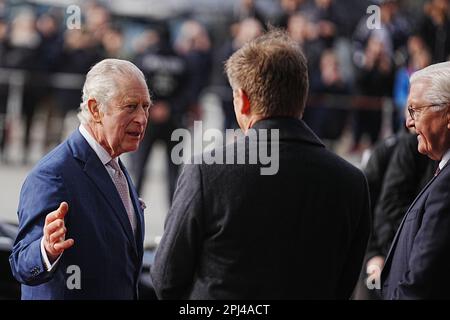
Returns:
(81, 223)
(418, 262)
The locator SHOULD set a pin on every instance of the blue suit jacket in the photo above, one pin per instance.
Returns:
(109, 257)
(418, 262)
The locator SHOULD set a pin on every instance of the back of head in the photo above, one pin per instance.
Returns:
(272, 71)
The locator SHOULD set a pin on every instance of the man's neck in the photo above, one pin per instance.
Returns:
(89, 128)
(253, 119)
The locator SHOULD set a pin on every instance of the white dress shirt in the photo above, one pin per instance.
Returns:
(105, 158)
(444, 160)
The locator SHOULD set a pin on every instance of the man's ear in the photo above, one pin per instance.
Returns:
(447, 114)
(94, 110)
(245, 102)
(246, 109)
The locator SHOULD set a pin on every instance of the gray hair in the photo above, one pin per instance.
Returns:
(101, 83)
(438, 78)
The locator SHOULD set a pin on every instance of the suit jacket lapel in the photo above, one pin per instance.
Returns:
(96, 171)
(397, 234)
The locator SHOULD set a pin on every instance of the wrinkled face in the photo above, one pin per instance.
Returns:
(432, 127)
(123, 122)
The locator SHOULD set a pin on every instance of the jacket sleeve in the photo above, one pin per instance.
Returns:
(375, 171)
(358, 244)
(175, 261)
(42, 193)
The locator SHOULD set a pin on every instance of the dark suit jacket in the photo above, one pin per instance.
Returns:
(418, 262)
(233, 233)
(105, 250)
(407, 174)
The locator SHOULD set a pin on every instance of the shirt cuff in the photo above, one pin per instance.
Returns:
(47, 264)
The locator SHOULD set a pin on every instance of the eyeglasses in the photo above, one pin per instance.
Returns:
(413, 112)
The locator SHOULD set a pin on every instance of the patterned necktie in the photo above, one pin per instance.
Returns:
(120, 181)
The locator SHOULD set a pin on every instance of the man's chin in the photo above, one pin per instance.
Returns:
(130, 147)
(421, 149)
(426, 152)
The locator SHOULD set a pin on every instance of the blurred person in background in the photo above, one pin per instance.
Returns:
(248, 9)
(304, 33)
(395, 29)
(78, 54)
(167, 78)
(194, 45)
(287, 8)
(22, 53)
(324, 16)
(3, 92)
(97, 20)
(325, 117)
(374, 80)
(112, 43)
(434, 29)
(248, 29)
(47, 25)
(81, 49)
(78, 206)
(50, 51)
(419, 58)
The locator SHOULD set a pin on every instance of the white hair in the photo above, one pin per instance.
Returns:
(437, 76)
(101, 83)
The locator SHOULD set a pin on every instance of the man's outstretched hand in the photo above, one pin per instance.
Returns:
(55, 233)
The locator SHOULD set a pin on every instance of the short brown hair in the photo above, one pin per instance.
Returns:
(272, 71)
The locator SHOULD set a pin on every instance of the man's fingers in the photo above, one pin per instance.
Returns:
(53, 226)
(58, 213)
(52, 216)
(63, 208)
(55, 231)
(63, 245)
(55, 236)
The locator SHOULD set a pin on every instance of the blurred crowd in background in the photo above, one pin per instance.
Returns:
(355, 72)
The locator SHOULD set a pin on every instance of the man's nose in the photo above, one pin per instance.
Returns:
(141, 116)
(410, 123)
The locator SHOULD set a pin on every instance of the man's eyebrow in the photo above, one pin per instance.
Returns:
(130, 99)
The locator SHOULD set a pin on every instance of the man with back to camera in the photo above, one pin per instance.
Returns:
(233, 233)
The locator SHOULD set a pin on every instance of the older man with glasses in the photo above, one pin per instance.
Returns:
(418, 262)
